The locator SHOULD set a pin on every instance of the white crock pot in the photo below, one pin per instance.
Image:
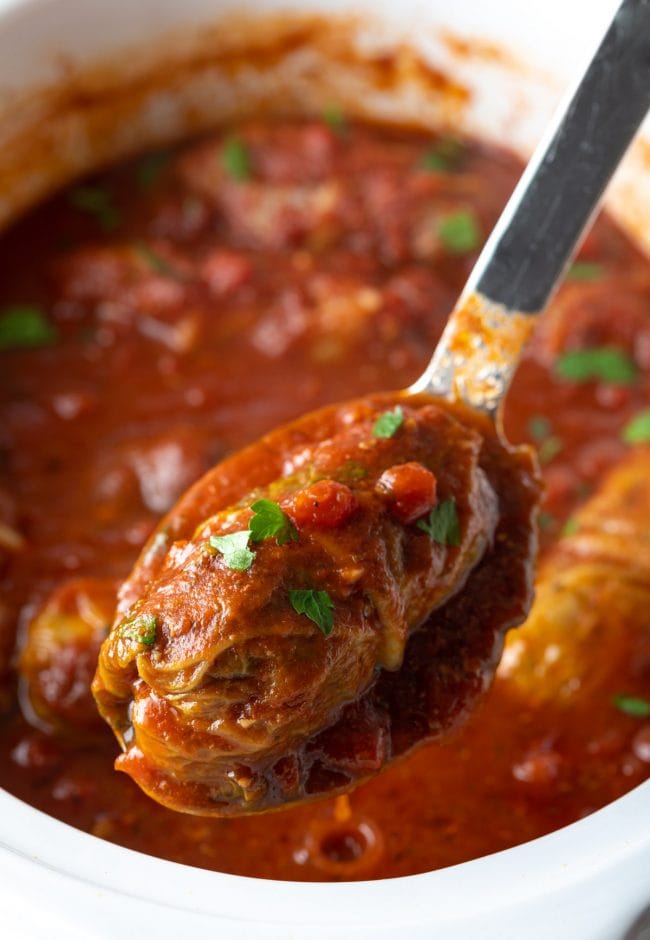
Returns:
(588, 881)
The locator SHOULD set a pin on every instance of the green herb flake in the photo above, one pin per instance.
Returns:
(637, 430)
(433, 162)
(150, 168)
(24, 326)
(317, 605)
(631, 705)
(269, 520)
(548, 449)
(156, 262)
(235, 158)
(234, 548)
(600, 363)
(98, 203)
(548, 444)
(442, 524)
(388, 423)
(570, 527)
(334, 117)
(141, 629)
(546, 520)
(352, 472)
(585, 271)
(459, 233)
(443, 157)
(539, 427)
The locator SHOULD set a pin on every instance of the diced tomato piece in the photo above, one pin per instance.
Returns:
(325, 505)
(409, 489)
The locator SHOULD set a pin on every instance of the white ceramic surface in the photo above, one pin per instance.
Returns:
(586, 882)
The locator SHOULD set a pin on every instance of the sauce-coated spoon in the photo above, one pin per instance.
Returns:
(551, 208)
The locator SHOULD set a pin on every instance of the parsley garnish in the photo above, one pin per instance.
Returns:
(443, 156)
(96, 202)
(459, 233)
(234, 548)
(156, 262)
(388, 423)
(141, 629)
(637, 430)
(631, 705)
(570, 527)
(546, 520)
(335, 119)
(269, 520)
(23, 326)
(585, 271)
(151, 167)
(442, 524)
(539, 427)
(549, 445)
(235, 158)
(603, 363)
(317, 605)
(548, 449)
(352, 472)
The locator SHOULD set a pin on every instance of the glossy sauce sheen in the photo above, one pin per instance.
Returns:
(196, 311)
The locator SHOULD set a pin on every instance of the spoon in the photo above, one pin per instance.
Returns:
(553, 205)
(337, 592)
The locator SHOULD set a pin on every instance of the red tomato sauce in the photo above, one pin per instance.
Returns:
(188, 302)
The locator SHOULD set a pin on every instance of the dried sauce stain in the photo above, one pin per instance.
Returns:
(478, 350)
(51, 134)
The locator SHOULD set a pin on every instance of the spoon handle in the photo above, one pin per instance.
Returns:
(540, 227)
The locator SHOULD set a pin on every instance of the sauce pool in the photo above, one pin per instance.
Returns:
(188, 302)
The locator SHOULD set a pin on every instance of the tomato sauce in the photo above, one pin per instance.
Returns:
(187, 302)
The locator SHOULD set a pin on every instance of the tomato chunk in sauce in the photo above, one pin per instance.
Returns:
(147, 332)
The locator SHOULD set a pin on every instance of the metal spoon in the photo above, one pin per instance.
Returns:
(539, 230)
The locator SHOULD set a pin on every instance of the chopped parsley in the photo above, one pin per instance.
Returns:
(443, 157)
(539, 427)
(98, 203)
(151, 167)
(549, 448)
(570, 527)
(234, 548)
(600, 363)
(235, 158)
(269, 520)
(546, 520)
(352, 472)
(24, 326)
(585, 271)
(548, 444)
(387, 423)
(442, 523)
(140, 629)
(156, 262)
(459, 232)
(637, 430)
(631, 705)
(317, 605)
(334, 117)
